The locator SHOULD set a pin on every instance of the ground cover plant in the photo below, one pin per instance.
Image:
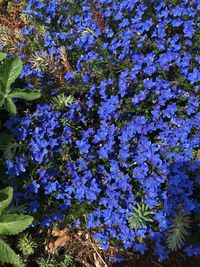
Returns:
(110, 144)
(10, 224)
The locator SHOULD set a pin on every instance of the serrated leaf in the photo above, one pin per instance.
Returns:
(14, 224)
(5, 198)
(2, 56)
(9, 71)
(10, 106)
(7, 255)
(25, 94)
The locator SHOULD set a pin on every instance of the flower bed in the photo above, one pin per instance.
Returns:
(116, 133)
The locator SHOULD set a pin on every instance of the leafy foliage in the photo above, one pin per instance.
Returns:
(44, 62)
(15, 209)
(41, 60)
(5, 198)
(27, 245)
(2, 56)
(67, 261)
(141, 216)
(14, 224)
(9, 36)
(49, 262)
(9, 72)
(62, 102)
(8, 145)
(178, 231)
(10, 224)
(132, 132)
(64, 59)
(7, 255)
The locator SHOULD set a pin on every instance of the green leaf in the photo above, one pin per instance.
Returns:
(10, 106)
(9, 71)
(134, 222)
(15, 209)
(5, 137)
(61, 101)
(13, 224)
(178, 231)
(2, 56)
(10, 149)
(2, 99)
(7, 255)
(25, 94)
(5, 198)
(8, 144)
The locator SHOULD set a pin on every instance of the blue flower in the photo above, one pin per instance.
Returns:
(69, 76)
(194, 76)
(192, 250)
(33, 187)
(132, 135)
(15, 168)
(51, 187)
(161, 252)
(140, 248)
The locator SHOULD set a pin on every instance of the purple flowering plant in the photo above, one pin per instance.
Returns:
(124, 154)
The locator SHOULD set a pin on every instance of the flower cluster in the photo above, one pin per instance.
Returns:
(132, 135)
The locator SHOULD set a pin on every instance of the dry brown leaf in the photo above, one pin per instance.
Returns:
(97, 16)
(58, 232)
(63, 237)
(86, 264)
(60, 242)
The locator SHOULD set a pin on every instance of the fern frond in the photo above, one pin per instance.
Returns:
(42, 60)
(97, 16)
(64, 59)
(10, 150)
(61, 101)
(178, 231)
(8, 145)
(16, 209)
(9, 38)
(141, 216)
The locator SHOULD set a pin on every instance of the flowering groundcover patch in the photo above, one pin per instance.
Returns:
(126, 149)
